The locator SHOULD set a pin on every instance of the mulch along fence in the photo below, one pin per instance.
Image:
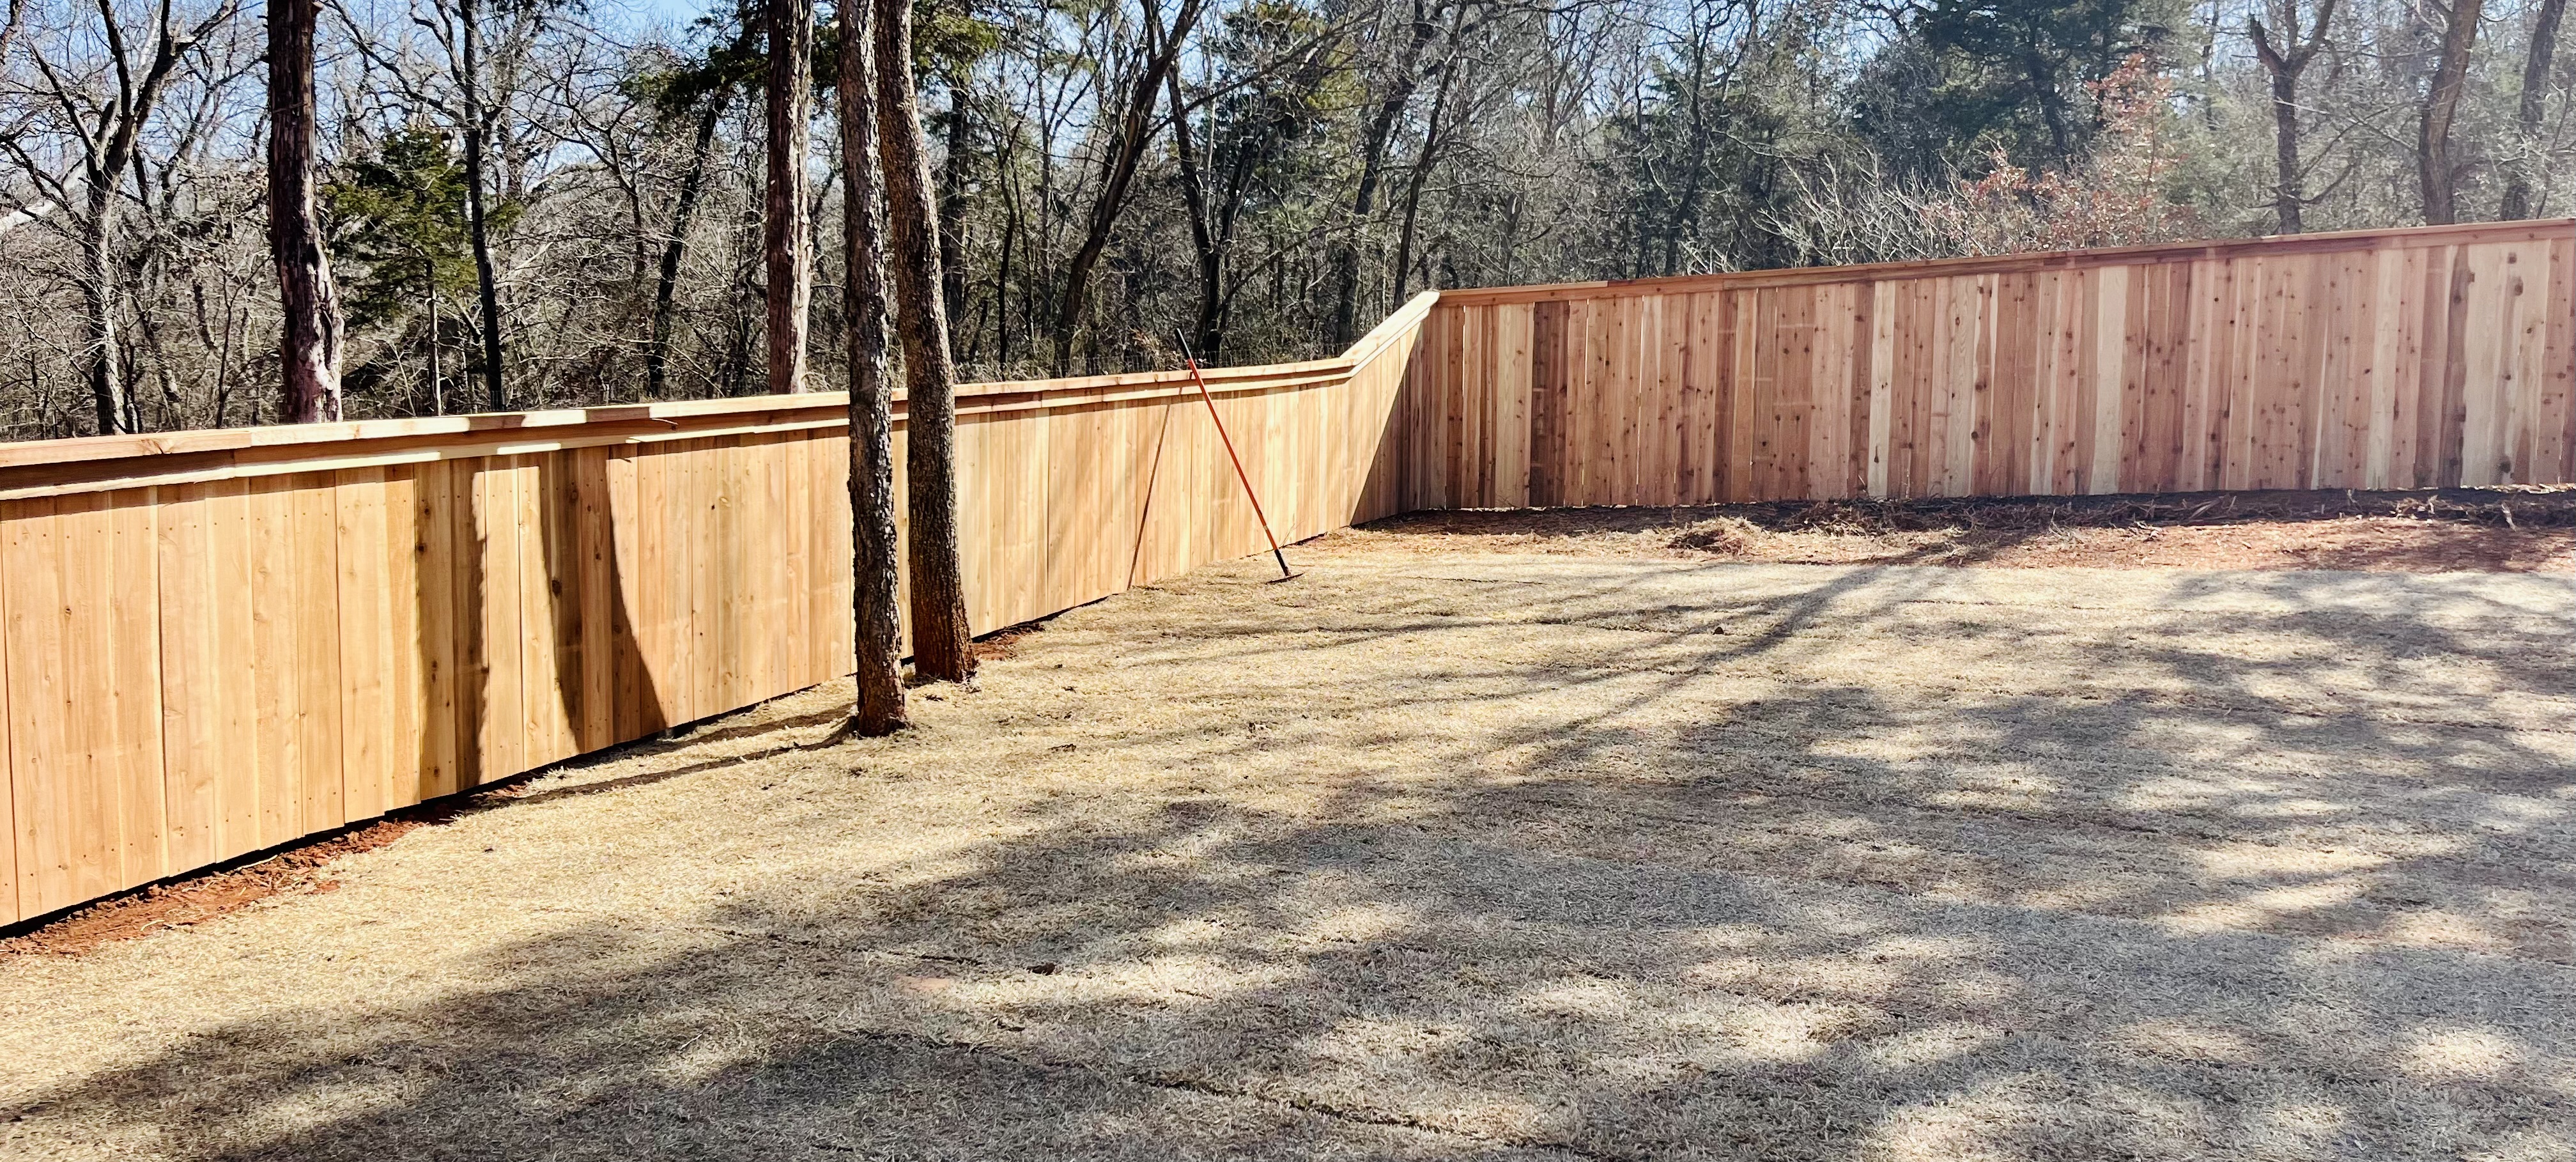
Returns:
(217, 642)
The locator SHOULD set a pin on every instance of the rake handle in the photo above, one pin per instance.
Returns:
(1239, 473)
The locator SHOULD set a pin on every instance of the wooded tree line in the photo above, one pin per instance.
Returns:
(529, 203)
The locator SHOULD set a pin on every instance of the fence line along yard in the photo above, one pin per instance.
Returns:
(217, 642)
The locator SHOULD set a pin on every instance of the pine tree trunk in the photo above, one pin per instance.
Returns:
(879, 708)
(942, 645)
(786, 240)
(309, 349)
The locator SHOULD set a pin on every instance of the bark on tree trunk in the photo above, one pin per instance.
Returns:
(786, 238)
(2287, 195)
(2535, 103)
(437, 374)
(309, 351)
(2042, 78)
(101, 357)
(942, 645)
(486, 286)
(879, 708)
(666, 283)
(2435, 168)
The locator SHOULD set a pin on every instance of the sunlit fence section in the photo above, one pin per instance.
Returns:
(217, 642)
(2391, 359)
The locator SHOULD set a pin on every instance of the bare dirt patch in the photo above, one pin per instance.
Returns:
(195, 899)
(2449, 530)
(1460, 856)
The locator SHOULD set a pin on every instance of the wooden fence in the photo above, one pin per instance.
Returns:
(217, 642)
(2391, 359)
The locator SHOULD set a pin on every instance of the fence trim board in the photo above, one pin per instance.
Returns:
(2151, 254)
(816, 411)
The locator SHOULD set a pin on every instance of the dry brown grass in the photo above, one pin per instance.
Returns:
(1461, 855)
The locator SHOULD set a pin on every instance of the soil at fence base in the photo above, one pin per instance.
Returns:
(198, 898)
(2514, 529)
(300, 867)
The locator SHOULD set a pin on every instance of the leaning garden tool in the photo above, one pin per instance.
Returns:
(1239, 473)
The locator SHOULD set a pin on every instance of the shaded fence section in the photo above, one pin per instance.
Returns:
(217, 642)
(2391, 359)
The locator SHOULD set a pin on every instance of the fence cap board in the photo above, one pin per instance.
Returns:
(1394, 327)
(2156, 254)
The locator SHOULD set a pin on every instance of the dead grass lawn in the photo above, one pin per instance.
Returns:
(1461, 855)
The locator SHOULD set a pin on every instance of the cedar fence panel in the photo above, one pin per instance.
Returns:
(2389, 359)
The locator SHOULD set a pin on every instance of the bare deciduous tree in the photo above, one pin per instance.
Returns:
(102, 106)
(2529, 154)
(684, 212)
(478, 214)
(2437, 167)
(1384, 111)
(2285, 63)
(1132, 131)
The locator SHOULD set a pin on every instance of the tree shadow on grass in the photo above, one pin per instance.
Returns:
(1715, 895)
